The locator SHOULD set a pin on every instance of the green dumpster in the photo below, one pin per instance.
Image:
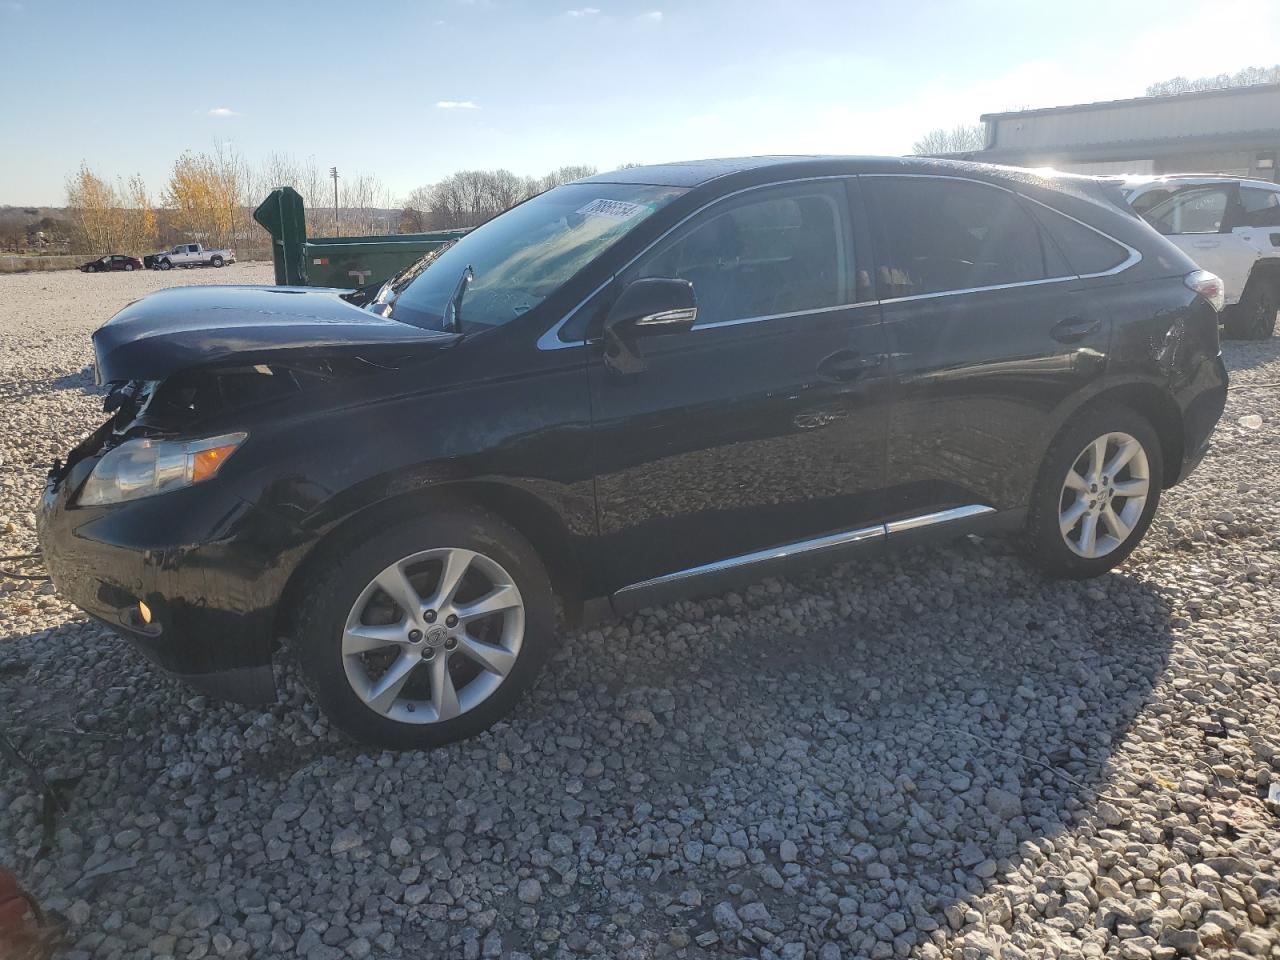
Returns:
(335, 261)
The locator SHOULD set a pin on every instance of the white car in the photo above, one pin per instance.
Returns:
(1229, 226)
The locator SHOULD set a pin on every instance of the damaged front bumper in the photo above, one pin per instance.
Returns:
(192, 579)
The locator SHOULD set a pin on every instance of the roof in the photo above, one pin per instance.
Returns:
(1136, 101)
(691, 173)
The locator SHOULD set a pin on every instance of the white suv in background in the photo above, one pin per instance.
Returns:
(1230, 226)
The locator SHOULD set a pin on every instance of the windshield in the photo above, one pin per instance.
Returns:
(520, 258)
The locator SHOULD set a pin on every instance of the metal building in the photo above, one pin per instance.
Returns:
(1234, 131)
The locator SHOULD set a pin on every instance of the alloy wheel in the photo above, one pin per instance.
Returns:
(433, 635)
(1104, 495)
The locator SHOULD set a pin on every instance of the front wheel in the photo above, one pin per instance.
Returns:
(1098, 489)
(1254, 317)
(428, 632)
(166, 265)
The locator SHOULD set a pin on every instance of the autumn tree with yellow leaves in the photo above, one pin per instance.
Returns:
(110, 219)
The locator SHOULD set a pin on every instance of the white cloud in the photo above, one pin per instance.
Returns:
(653, 16)
(583, 12)
(223, 112)
(457, 105)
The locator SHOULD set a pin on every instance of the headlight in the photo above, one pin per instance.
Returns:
(141, 468)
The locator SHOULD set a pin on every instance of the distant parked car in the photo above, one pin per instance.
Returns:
(1231, 227)
(112, 261)
(652, 383)
(189, 255)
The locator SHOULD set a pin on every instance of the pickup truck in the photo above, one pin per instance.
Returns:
(1229, 226)
(188, 255)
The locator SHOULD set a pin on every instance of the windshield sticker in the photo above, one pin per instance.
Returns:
(613, 209)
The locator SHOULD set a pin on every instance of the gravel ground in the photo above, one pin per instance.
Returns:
(935, 755)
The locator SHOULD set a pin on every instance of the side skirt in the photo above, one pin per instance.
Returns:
(722, 574)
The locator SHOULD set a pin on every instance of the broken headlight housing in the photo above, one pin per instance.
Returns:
(144, 467)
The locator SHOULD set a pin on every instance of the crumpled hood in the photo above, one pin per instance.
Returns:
(186, 327)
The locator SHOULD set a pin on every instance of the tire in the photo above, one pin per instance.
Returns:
(347, 595)
(90, 269)
(216, 261)
(1254, 317)
(1066, 553)
(128, 267)
(164, 265)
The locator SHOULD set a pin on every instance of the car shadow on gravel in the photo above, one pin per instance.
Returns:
(860, 752)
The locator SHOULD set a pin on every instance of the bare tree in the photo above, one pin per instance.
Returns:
(363, 198)
(1247, 77)
(963, 138)
(470, 197)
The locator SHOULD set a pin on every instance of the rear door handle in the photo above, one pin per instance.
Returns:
(849, 364)
(1075, 329)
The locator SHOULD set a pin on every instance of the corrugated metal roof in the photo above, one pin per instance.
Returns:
(1137, 101)
(1243, 112)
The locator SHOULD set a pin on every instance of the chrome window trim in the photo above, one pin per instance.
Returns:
(878, 531)
(550, 340)
(1132, 259)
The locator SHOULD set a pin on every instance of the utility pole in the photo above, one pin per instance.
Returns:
(333, 172)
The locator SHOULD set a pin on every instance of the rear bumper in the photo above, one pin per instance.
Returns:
(1202, 405)
(208, 571)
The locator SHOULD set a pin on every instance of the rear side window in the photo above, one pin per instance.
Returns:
(937, 235)
(776, 250)
(1259, 208)
(1087, 251)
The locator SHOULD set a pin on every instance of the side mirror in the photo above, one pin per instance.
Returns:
(646, 308)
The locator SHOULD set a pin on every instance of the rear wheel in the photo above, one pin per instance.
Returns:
(428, 632)
(129, 267)
(216, 261)
(1254, 317)
(1097, 492)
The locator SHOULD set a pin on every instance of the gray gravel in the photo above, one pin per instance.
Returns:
(934, 755)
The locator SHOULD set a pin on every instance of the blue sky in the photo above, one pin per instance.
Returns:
(413, 89)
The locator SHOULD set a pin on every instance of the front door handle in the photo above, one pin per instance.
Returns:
(849, 364)
(1206, 244)
(1075, 329)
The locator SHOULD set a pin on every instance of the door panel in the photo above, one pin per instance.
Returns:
(985, 340)
(1197, 220)
(977, 376)
(763, 425)
(734, 439)
(1230, 255)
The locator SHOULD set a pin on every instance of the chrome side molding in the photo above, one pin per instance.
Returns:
(783, 552)
(664, 585)
(942, 516)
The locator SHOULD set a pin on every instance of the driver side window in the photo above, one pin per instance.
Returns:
(777, 250)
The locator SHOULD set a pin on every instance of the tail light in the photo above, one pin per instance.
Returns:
(1208, 285)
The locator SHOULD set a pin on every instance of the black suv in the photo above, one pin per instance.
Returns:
(640, 385)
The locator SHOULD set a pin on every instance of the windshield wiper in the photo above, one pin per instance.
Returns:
(383, 302)
(452, 319)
